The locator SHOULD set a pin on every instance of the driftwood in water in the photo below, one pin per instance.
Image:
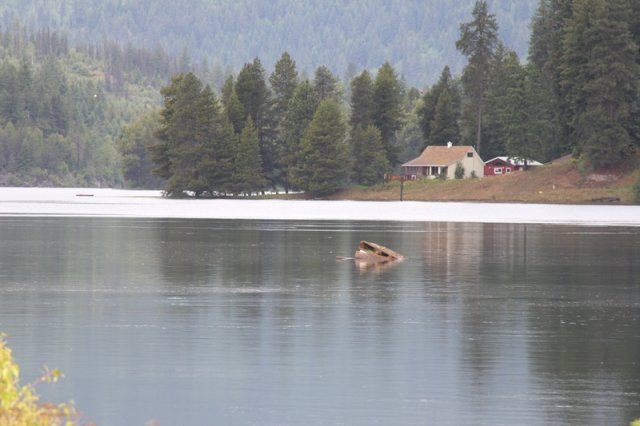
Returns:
(372, 252)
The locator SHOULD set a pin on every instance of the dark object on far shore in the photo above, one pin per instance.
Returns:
(606, 200)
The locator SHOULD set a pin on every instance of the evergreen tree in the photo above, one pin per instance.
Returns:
(284, 82)
(426, 111)
(132, 145)
(444, 127)
(177, 154)
(301, 110)
(478, 40)
(322, 167)
(362, 106)
(388, 113)
(600, 72)
(525, 121)
(369, 158)
(256, 98)
(248, 176)
(227, 89)
(235, 112)
(325, 84)
(545, 55)
(215, 140)
(506, 73)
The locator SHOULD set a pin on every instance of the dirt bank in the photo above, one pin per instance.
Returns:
(562, 183)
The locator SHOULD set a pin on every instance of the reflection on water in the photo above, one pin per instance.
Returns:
(255, 322)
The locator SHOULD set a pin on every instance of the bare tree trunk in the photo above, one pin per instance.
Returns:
(479, 131)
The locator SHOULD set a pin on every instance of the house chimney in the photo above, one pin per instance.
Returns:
(449, 144)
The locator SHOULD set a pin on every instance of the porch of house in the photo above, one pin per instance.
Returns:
(418, 172)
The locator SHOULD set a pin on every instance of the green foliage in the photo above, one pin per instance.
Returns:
(136, 161)
(325, 84)
(248, 176)
(323, 155)
(426, 111)
(256, 98)
(196, 151)
(301, 110)
(284, 81)
(477, 42)
(362, 105)
(600, 73)
(370, 162)
(458, 173)
(230, 32)
(19, 405)
(388, 113)
(444, 127)
(235, 112)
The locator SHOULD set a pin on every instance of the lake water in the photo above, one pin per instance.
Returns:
(174, 311)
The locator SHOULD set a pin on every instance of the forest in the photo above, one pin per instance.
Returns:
(576, 94)
(110, 114)
(415, 36)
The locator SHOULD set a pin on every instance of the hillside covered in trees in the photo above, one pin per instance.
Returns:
(63, 109)
(417, 37)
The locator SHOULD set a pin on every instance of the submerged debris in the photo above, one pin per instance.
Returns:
(372, 252)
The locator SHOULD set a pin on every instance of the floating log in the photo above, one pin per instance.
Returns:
(84, 195)
(372, 252)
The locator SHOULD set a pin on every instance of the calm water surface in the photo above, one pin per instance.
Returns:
(253, 322)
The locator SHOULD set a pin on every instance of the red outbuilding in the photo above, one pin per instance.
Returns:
(505, 165)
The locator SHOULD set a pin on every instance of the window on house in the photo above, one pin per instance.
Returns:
(434, 171)
(497, 170)
(470, 154)
(508, 169)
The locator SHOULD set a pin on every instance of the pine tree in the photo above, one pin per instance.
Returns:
(388, 113)
(227, 89)
(600, 72)
(248, 176)
(323, 153)
(478, 40)
(362, 106)
(369, 160)
(256, 98)
(325, 84)
(506, 73)
(176, 155)
(301, 110)
(444, 127)
(215, 140)
(427, 109)
(132, 145)
(525, 121)
(235, 112)
(545, 55)
(284, 82)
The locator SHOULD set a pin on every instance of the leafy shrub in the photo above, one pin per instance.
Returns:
(474, 175)
(459, 171)
(19, 404)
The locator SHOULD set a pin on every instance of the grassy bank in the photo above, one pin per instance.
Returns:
(556, 184)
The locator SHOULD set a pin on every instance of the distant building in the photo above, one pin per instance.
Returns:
(505, 165)
(436, 160)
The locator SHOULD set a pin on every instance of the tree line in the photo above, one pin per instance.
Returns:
(577, 94)
(279, 131)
